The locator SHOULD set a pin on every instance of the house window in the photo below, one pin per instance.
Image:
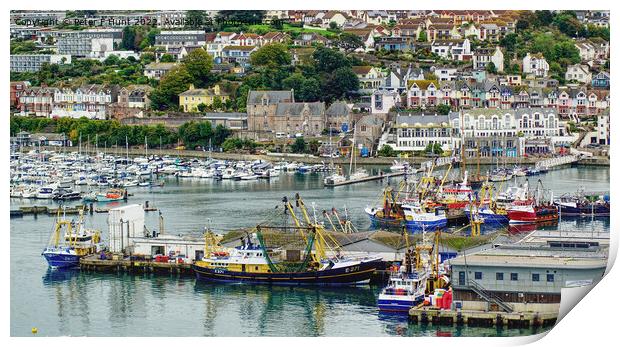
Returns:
(535, 277)
(514, 276)
(550, 278)
(478, 275)
(499, 276)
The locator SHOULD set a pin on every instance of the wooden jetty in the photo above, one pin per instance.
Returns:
(37, 210)
(432, 315)
(117, 264)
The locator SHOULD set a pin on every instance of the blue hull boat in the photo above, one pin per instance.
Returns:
(401, 306)
(491, 218)
(412, 226)
(61, 258)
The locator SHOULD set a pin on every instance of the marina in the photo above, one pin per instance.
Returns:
(350, 202)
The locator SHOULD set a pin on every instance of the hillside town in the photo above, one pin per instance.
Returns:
(493, 82)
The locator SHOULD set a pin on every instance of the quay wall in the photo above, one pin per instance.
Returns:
(308, 159)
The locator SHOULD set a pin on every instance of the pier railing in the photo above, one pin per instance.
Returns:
(553, 162)
(489, 296)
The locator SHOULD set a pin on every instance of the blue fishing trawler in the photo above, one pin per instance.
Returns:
(69, 242)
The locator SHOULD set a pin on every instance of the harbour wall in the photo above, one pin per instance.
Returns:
(306, 158)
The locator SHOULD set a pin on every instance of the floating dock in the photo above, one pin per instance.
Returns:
(431, 315)
(37, 210)
(366, 179)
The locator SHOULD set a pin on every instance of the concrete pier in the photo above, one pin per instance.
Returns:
(435, 316)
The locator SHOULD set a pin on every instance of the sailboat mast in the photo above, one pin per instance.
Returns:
(352, 152)
(463, 160)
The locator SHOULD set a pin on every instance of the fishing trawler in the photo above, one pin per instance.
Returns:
(485, 208)
(255, 262)
(393, 213)
(411, 280)
(69, 242)
(526, 209)
(582, 205)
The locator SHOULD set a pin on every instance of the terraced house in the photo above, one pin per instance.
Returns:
(90, 101)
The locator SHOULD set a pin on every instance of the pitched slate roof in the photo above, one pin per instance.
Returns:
(338, 108)
(274, 96)
(297, 108)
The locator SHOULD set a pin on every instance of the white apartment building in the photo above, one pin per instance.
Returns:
(33, 62)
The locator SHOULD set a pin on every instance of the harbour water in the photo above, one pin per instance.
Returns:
(74, 303)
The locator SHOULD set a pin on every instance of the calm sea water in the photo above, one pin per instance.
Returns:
(77, 304)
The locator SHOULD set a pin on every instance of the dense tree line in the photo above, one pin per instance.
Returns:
(111, 132)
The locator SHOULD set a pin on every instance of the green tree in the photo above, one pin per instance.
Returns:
(509, 42)
(306, 89)
(239, 16)
(147, 58)
(328, 60)
(490, 68)
(568, 24)
(339, 83)
(433, 148)
(166, 95)
(202, 107)
(313, 146)
(423, 36)
(386, 151)
(166, 58)
(196, 19)
(443, 109)
(220, 134)
(349, 42)
(198, 64)
(271, 55)
(299, 146)
(129, 38)
(149, 39)
(217, 103)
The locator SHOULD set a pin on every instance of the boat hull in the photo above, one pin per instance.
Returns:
(345, 276)
(543, 214)
(61, 260)
(411, 225)
(490, 218)
(584, 210)
(390, 303)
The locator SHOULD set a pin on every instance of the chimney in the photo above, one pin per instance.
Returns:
(191, 86)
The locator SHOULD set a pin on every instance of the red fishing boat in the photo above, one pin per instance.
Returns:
(525, 210)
